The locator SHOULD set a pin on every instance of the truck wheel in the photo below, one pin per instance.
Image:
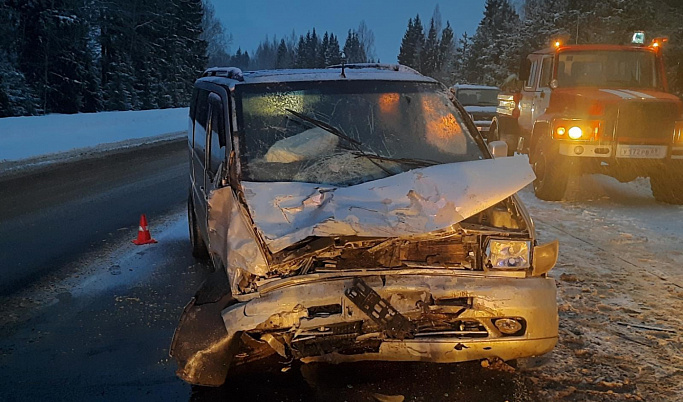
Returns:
(199, 250)
(551, 171)
(667, 185)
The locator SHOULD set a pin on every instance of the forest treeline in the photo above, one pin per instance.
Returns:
(312, 50)
(69, 56)
(509, 31)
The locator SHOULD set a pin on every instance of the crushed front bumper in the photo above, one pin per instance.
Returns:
(292, 310)
(452, 319)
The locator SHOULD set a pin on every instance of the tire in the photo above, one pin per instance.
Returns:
(667, 185)
(551, 171)
(199, 250)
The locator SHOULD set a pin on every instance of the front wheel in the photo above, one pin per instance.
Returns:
(667, 185)
(552, 173)
(199, 250)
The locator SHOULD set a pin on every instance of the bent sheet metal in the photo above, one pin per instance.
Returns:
(410, 203)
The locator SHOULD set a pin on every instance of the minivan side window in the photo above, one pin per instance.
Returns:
(201, 123)
(216, 152)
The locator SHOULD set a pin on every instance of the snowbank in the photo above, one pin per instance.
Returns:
(30, 137)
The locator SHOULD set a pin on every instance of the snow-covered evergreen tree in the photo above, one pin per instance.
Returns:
(430, 51)
(410, 53)
(496, 44)
(333, 53)
(432, 55)
(406, 54)
(285, 55)
(17, 96)
(462, 54)
(353, 49)
(445, 56)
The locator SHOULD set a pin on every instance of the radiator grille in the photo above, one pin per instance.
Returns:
(646, 122)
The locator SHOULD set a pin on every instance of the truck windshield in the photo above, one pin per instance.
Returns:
(345, 133)
(615, 69)
(478, 97)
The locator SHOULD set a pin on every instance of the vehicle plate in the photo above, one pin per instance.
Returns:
(641, 151)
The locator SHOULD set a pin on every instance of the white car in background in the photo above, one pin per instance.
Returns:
(480, 102)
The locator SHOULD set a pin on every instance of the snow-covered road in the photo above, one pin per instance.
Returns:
(620, 271)
(620, 292)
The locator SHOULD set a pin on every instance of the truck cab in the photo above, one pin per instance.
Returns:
(596, 109)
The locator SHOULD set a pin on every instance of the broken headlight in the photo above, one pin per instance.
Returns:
(508, 254)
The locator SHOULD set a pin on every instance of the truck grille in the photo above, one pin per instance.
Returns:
(646, 122)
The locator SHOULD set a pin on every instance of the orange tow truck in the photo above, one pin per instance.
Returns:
(596, 109)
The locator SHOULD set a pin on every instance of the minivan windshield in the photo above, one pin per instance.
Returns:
(347, 132)
(478, 97)
(607, 68)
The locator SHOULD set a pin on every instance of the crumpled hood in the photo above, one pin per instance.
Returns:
(414, 202)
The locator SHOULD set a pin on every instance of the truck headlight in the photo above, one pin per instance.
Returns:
(583, 130)
(508, 254)
(575, 133)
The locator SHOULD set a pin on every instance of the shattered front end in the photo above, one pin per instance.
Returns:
(401, 317)
(438, 264)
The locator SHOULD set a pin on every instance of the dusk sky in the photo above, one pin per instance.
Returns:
(250, 21)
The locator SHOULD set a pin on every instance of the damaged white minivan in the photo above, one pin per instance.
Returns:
(355, 213)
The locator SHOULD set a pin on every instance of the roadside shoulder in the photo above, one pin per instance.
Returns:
(29, 166)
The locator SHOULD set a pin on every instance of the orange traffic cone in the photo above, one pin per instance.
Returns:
(144, 237)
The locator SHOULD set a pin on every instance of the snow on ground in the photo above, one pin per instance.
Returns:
(100, 270)
(620, 292)
(22, 138)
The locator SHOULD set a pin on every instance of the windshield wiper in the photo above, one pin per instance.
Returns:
(406, 161)
(335, 131)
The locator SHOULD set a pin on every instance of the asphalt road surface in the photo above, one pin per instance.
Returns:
(54, 215)
(104, 335)
(98, 325)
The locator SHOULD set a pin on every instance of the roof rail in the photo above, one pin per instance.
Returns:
(232, 73)
(379, 66)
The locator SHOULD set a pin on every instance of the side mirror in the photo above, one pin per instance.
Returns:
(499, 149)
